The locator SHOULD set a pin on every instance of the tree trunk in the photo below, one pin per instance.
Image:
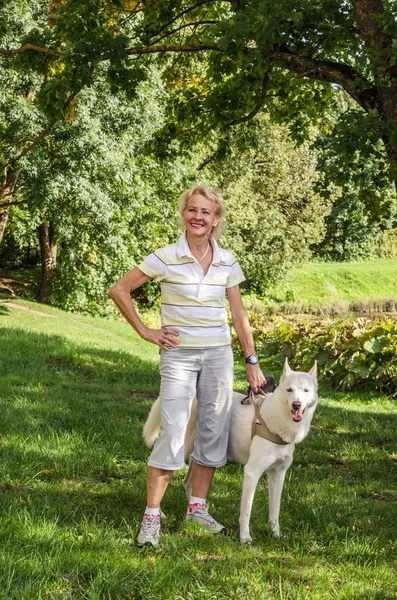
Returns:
(6, 199)
(48, 247)
(3, 222)
(379, 43)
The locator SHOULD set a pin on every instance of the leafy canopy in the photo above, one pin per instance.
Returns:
(224, 60)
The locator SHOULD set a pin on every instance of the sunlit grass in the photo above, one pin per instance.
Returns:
(327, 283)
(74, 395)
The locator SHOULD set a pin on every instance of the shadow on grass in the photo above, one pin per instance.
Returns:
(72, 452)
(71, 409)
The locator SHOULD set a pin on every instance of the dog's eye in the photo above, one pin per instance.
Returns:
(306, 390)
(289, 389)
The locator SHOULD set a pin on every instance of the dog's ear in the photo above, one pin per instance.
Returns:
(313, 370)
(287, 368)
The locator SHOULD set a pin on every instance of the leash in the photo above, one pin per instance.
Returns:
(261, 428)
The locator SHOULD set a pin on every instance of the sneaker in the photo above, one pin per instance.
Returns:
(198, 513)
(149, 534)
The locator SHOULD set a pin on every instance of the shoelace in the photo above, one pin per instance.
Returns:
(150, 524)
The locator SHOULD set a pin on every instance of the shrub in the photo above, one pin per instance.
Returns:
(350, 353)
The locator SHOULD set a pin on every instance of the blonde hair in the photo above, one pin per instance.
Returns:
(217, 200)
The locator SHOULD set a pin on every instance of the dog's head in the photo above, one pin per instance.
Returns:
(299, 390)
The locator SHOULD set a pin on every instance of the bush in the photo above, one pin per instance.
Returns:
(350, 353)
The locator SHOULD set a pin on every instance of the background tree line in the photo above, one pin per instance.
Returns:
(109, 109)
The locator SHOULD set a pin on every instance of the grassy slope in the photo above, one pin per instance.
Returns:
(75, 392)
(333, 282)
(312, 283)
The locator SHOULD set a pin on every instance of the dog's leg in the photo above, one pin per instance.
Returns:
(275, 482)
(251, 477)
(188, 482)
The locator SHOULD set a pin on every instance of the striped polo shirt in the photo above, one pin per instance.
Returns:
(192, 303)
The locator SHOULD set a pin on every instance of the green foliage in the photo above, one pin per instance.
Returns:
(356, 178)
(287, 59)
(388, 244)
(109, 205)
(213, 65)
(274, 213)
(349, 235)
(350, 353)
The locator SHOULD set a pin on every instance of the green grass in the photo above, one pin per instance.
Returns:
(327, 283)
(320, 287)
(75, 392)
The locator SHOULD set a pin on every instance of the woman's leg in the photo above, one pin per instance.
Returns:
(214, 396)
(214, 402)
(202, 478)
(178, 368)
(157, 483)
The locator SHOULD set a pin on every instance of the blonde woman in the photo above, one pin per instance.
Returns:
(196, 275)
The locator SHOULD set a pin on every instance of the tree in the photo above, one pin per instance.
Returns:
(96, 202)
(242, 56)
(355, 180)
(275, 214)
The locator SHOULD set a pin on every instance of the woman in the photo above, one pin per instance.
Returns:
(196, 354)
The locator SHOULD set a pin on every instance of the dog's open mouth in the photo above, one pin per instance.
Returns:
(297, 415)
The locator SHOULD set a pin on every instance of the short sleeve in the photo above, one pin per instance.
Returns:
(153, 266)
(236, 275)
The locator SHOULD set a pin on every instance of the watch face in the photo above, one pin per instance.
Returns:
(252, 360)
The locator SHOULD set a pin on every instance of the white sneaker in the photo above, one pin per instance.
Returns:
(149, 534)
(198, 513)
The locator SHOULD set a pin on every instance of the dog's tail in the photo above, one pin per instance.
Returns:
(151, 428)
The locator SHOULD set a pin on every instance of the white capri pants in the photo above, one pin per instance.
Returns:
(209, 373)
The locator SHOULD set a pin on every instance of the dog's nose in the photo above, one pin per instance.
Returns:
(296, 405)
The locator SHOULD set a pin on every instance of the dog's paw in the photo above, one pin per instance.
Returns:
(275, 532)
(246, 541)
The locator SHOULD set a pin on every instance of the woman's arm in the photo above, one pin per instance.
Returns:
(240, 321)
(120, 293)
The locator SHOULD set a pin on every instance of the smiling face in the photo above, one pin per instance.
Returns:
(199, 217)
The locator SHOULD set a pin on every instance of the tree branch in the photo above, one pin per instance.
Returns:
(158, 49)
(37, 139)
(330, 72)
(9, 204)
(29, 48)
(260, 102)
(194, 24)
(181, 14)
(207, 161)
(40, 136)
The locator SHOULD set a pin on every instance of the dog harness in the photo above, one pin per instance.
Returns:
(261, 428)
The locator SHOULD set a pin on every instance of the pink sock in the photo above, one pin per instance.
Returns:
(195, 503)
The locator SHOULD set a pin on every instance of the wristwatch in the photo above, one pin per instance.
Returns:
(252, 360)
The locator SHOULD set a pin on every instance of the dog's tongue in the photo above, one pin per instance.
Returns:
(297, 415)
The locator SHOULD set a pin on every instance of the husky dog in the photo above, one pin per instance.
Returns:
(284, 420)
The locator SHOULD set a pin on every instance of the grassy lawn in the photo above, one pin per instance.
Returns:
(333, 282)
(75, 392)
(368, 284)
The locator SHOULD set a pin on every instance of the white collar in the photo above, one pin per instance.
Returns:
(183, 249)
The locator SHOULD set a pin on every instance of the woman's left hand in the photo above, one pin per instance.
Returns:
(255, 377)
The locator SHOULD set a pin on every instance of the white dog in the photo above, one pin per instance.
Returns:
(262, 437)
